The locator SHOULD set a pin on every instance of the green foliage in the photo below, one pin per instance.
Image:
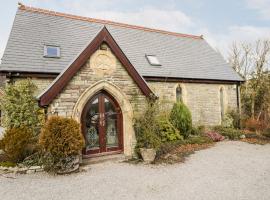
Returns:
(17, 143)
(7, 164)
(227, 121)
(180, 117)
(147, 127)
(60, 140)
(167, 132)
(199, 130)
(20, 106)
(266, 132)
(236, 118)
(61, 137)
(198, 139)
(231, 133)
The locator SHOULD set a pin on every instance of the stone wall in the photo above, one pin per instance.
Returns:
(203, 100)
(88, 76)
(102, 71)
(41, 83)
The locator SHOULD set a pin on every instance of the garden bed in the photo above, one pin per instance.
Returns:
(179, 154)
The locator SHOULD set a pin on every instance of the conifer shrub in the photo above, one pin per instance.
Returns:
(17, 143)
(167, 132)
(61, 137)
(180, 117)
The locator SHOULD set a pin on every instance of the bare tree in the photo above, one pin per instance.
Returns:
(251, 61)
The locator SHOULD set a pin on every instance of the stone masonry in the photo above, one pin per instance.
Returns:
(203, 100)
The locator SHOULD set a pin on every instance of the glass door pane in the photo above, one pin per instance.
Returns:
(110, 124)
(92, 126)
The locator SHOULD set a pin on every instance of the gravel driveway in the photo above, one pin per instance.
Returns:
(229, 170)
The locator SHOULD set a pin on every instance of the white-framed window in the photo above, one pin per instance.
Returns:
(153, 60)
(51, 51)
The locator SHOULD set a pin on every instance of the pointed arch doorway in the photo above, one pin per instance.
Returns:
(102, 125)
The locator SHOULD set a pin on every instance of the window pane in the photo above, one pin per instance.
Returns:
(92, 123)
(52, 51)
(153, 60)
(111, 124)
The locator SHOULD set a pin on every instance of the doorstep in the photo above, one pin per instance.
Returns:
(120, 157)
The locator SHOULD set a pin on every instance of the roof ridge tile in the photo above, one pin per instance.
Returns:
(105, 22)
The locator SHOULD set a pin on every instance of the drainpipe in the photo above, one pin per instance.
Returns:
(238, 103)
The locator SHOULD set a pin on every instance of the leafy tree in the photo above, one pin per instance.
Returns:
(20, 106)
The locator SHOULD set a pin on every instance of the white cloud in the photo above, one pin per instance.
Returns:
(223, 42)
(171, 20)
(262, 6)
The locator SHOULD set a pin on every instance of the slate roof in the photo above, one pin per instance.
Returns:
(181, 55)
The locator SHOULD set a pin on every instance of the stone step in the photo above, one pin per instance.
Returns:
(105, 158)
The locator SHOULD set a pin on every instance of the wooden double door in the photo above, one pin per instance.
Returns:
(102, 125)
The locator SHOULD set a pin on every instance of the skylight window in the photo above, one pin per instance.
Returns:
(51, 51)
(153, 60)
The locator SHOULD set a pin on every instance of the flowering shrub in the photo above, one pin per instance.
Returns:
(216, 137)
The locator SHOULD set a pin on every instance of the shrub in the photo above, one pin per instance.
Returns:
(266, 132)
(216, 137)
(227, 121)
(232, 134)
(254, 125)
(20, 106)
(236, 118)
(199, 130)
(61, 137)
(7, 164)
(167, 132)
(198, 140)
(147, 128)
(16, 143)
(60, 141)
(180, 117)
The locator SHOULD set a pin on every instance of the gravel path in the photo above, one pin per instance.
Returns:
(229, 170)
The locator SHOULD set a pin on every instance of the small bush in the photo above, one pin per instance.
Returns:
(198, 140)
(232, 134)
(266, 132)
(7, 164)
(180, 117)
(167, 132)
(147, 128)
(227, 121)
(254, 125)
(199, 130)
(236, 118)
(60, 139)
(17, 143)
(216, 137)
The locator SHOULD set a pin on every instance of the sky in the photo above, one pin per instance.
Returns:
(220, 22)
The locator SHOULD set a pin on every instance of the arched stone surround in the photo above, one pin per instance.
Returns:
(126, 108)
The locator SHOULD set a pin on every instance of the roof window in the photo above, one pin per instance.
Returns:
(152, 59)
(51, 51)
